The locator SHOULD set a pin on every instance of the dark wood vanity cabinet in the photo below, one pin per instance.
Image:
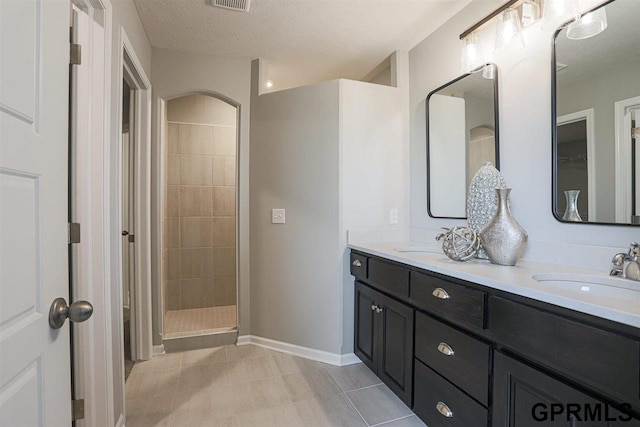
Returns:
(527, 397)
(484, 357)
(384, 339)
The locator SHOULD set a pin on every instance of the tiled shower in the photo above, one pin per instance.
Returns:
(199, 243)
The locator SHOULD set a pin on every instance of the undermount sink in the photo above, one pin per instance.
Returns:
(597, 286)
(418, 249)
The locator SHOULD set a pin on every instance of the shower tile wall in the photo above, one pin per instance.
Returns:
(200, 224)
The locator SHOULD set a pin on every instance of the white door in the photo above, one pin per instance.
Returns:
(35, 378)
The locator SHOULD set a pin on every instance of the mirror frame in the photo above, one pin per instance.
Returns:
(496, 118)
(554, 133)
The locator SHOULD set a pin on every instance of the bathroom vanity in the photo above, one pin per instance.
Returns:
(473, 344)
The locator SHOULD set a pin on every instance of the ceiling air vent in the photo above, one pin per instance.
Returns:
(239, 5)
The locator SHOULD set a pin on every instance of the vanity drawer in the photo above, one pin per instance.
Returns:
(605, 361)
(458, 357)
(434, 394)
(358, 266)
(390, 278)
(456, 303)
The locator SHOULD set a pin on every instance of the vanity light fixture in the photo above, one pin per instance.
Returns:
(588, 25)
(469, 58)
(508, 32)
(559, 12)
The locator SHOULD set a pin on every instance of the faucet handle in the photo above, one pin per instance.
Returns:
(619, 259)
(634, 250)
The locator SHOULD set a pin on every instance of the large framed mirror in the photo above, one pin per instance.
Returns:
(596, 117)
(462, 134)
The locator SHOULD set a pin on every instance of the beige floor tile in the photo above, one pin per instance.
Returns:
(353, 377)
(281, 416)
(288, 364)
(207, 356)
(311, 384)
(258, 368)
(235, 352)
(330, 411)
(251, 396)
(378, 404)
(203, 376)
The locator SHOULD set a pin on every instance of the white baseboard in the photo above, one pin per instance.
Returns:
(297, 350)
(158, 350)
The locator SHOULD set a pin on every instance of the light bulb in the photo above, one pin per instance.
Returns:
(269, 84)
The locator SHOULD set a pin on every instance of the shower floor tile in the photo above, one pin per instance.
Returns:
(199, 321)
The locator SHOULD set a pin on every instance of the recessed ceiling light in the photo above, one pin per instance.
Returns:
(269, 84)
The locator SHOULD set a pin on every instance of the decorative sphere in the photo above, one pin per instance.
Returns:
(460, 243)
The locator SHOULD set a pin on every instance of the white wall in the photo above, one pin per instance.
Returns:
(124, 18)
(525, 127)
(335, 156)
(178, 73)
(374, 166)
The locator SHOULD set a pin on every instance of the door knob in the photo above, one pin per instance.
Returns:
(78, 312)
(125, 233)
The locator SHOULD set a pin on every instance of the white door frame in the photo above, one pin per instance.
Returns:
(587, 115)
(160, 177)
(623, 199)
(93, 361)
(141, 138)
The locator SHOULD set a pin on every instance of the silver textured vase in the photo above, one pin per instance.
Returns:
(503, 238)
(571, 213)
(482, 201)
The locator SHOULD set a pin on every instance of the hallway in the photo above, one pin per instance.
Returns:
(252, 386)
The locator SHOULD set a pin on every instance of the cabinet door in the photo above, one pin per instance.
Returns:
(526, 397)
(395, 357)
(365, 328)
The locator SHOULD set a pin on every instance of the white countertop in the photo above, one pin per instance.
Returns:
(619, 305)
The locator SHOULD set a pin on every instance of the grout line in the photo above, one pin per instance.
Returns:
(364, 388)
(396, 419)
(354, 407)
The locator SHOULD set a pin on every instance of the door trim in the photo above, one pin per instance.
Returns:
(92, 353)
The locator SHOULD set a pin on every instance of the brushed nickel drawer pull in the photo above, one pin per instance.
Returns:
(440, 293)
(445, 349)
(357, 263)
(373, 307)
(444, 410)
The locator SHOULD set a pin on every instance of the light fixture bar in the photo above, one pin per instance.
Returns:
(498, 11)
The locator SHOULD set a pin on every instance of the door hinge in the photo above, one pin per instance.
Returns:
(77, 409)
(74, 232)
(635, 133)
(75, 54)
(132, 238)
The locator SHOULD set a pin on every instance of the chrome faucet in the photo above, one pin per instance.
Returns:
(627, 265)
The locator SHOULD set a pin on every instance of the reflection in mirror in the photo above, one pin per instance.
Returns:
(597, 106)
(462, 134)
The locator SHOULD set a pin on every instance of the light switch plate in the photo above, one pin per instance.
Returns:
(277, 216)
(393, 216)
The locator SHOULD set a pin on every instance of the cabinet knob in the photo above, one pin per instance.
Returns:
(378, 310)
(440, 293)
(445, 349)
(373, 307)
(357, 263)
(444, 410)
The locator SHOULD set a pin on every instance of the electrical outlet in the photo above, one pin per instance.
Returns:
(277, 216)
(393, 216)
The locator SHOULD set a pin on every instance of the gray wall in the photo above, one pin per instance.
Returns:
(617, 84)
(295, 289)
(525, 126)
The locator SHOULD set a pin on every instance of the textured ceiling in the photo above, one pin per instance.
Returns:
(304, 41)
